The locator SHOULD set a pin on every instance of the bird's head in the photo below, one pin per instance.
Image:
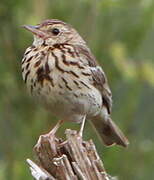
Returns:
(51, 32)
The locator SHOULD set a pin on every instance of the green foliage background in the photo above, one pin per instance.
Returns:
(120, 33)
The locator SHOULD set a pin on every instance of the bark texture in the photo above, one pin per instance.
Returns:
(70, 160)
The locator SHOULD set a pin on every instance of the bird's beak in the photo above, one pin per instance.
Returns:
(35, 30)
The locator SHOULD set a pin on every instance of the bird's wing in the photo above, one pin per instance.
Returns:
(99, 77)
(100, 82)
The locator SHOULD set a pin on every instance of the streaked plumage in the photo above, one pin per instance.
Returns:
(60, 71)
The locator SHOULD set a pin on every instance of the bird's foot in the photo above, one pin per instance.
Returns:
(47, 137)
(63, 143)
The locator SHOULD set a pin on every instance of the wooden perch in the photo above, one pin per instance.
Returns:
(70, 160)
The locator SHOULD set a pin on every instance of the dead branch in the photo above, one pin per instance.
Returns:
(70, 160)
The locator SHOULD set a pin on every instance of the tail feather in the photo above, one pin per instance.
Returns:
(110, 133)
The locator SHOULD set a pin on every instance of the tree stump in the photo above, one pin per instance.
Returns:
(72, 159)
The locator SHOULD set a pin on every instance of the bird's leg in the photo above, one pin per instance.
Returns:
(50, 135)
(82, 126)
(54, 130)
(80, 131)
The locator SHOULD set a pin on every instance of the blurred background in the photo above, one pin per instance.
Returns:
(120, 34)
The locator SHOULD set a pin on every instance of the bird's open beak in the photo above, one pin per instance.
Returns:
(35, 30)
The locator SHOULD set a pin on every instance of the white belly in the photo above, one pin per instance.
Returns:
(71, 105)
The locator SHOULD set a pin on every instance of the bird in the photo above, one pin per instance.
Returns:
(61, 72)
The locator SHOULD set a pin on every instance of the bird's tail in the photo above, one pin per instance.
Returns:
(109, 132)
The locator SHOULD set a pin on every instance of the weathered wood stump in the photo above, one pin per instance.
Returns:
(70, 160)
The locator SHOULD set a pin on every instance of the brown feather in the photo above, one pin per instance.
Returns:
(99, 77)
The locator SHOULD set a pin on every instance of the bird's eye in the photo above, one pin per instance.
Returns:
(55, 31)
